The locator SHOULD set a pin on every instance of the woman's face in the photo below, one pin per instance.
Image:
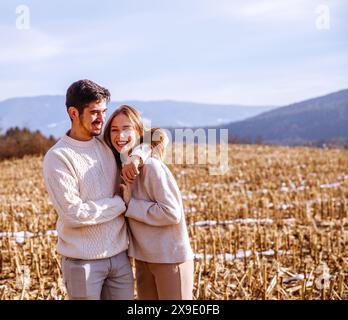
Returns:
(123, 134)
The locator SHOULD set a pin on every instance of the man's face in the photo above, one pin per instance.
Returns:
(91, 121)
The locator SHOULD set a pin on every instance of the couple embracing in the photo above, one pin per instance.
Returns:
(116, 199)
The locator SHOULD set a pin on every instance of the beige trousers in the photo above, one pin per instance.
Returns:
(164, 281)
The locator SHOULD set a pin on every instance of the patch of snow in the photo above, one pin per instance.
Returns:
(240, 254)
(330, 185)
(284, 189)
(51, 233)
(215, 222)
(19, 236)
(295, 278)
(190, 196)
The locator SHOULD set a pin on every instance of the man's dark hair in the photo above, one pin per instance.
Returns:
(83, 92)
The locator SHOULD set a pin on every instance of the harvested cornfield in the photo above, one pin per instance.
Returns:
(275, 226)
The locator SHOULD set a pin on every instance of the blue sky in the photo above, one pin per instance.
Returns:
(256, 52)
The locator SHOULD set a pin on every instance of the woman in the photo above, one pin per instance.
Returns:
(159, 239)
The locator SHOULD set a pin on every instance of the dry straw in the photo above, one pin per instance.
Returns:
(275, 219)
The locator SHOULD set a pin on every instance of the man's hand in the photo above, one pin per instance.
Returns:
(126, 193)
(131, 170)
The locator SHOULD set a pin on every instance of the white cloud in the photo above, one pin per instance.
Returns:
(279, 10)
(289, 83)
(32, 45)
(225, 51)
(24, 46)
(102, 40)
(268, 10)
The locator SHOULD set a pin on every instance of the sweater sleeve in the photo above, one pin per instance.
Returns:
(63, 190)
(143, 151)
(165, 207)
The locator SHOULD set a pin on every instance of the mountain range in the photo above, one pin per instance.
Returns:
(48, 113)
(314, 121)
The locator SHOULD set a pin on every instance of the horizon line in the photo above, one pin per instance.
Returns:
(188, 101)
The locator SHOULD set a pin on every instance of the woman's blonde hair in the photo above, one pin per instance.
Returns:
(156, 136)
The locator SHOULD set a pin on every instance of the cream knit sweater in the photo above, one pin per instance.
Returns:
(80, 177)
(157, 226)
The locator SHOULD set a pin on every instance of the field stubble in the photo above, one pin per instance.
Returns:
(275, 226)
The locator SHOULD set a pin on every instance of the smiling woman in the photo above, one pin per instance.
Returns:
(123, 133)
(159, 239)
(125, 130)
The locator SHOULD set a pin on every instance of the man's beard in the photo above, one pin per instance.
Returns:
(92, 133)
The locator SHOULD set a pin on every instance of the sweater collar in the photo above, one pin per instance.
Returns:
(78, 143)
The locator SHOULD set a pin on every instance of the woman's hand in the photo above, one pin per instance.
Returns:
(126, 193)
(131, 169)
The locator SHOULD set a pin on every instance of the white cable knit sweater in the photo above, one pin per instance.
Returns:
(156, 218)
(80, 177)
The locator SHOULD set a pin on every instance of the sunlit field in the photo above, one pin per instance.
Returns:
(275, 226)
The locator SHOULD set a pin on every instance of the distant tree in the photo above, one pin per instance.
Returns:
(16, 143)
(233, 139)
(259, 140)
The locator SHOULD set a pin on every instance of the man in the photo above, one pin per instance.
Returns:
(80, 177)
